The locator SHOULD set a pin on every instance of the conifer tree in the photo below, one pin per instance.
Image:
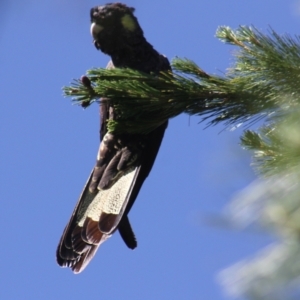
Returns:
(263, 84)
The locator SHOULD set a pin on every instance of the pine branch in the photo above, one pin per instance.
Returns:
(276, 146)
(256, 86)
(142, 99)
(263, 82)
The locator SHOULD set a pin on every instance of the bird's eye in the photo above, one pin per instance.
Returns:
(95, 29)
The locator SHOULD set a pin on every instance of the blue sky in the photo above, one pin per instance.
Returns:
(48, 148)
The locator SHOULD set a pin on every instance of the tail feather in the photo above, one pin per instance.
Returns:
(94, 219)
(99, 213)
(127, 233)
(91, 232)
(79, 245)
(84, 259)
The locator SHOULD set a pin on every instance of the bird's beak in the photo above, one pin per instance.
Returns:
(95, 29)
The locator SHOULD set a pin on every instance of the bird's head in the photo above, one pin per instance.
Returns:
(114, 28)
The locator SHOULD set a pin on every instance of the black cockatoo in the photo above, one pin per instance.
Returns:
(123, 161)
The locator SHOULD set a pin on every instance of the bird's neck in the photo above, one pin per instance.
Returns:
(136, 56)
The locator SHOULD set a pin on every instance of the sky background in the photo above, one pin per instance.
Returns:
(48, 148)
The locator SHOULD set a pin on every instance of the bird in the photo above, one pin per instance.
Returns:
(123, 160)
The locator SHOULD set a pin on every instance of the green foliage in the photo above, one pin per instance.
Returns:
(276, 146)
(262, 83)
(144, 101)
(259, 83)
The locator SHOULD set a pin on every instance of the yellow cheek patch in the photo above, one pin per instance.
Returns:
(128, 22)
